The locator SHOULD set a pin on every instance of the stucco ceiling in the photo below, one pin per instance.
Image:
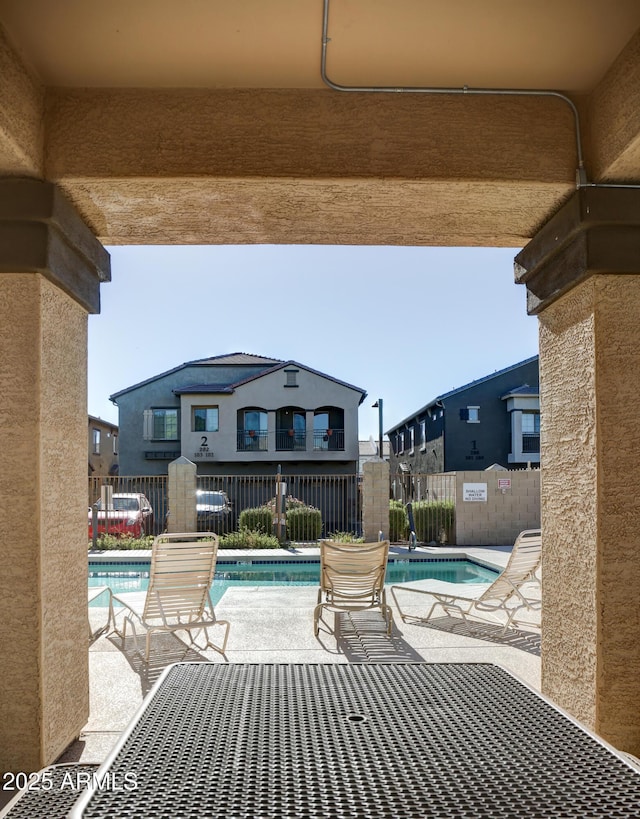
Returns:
(560, 44)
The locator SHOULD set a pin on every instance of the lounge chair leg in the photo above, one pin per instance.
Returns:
(388, 616)
(316, 619)
(220, 649)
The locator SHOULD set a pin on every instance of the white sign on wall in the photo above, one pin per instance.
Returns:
(474, 492)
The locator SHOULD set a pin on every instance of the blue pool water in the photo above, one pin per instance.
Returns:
(129, 577)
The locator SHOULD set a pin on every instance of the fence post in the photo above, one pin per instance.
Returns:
(181, 491)
(375, 499)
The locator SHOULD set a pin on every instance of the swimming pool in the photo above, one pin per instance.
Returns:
(129, 577)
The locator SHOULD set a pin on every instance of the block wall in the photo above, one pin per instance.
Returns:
(506, 512)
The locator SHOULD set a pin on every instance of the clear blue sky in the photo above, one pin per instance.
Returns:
(403, 323)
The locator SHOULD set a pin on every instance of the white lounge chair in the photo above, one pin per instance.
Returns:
(505, 596)
(178, 598)
(352, 578)
(93, 593)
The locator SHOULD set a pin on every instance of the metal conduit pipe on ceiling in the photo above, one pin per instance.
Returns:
(581, 174)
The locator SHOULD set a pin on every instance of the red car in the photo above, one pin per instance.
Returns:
(131, 515)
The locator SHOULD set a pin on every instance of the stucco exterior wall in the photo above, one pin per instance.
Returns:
(569, 501)
(43, 520)
(590, 348)
(106, 459)
(267, 392)
(270, 393)
(590, 391)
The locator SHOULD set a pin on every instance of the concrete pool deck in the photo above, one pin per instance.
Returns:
(275, 624)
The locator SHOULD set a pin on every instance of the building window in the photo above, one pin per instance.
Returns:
(114, 438)
(204, 419)
(252, 430)
(531, 423)
(530, 432)
(412, 440)
(291, 429)
(96, 441)
(470, 414)
(423, 434)
(328, 429)
(400, 443)
(165, 424)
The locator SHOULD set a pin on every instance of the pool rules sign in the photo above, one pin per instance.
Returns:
(475, 492)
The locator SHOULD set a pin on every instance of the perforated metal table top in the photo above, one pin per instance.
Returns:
(357, 741)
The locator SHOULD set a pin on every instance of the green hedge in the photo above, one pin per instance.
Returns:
(398, 521)
(259, 519)
(434, 520)
(345, 537)
(124, 543)
(304, 523)
(248, 539)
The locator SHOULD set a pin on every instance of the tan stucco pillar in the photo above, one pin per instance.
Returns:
(181, 491)
(583, 276)
(50, 268)
(375, 499)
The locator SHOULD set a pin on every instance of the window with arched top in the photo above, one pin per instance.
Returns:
(328, 428)
(252, 430)
(291, 429)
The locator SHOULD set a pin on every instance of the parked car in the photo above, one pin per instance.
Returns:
(214, 511)
(131, 515)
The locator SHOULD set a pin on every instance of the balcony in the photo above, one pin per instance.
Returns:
(290, 440)
(253, 441)
(328, 440)
(531, 442)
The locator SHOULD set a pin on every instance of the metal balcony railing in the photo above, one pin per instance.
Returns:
(288, 440)
(328, 439)
(530, 442)
(253, 441)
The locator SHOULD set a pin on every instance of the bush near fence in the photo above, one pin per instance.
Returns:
(398, 521)
(434, 521)
(259, 519)
(248, 539)
(304, 523)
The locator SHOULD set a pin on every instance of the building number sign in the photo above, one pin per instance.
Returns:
(203, 451)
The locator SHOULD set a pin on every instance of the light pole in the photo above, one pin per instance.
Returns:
(378, 404)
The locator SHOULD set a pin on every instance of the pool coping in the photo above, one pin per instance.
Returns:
(492, 557)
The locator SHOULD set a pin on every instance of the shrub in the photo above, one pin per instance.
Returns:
(289, 503)
(259, 519)
(434, 521)
(304, 523)
(248, 539)
(345, 537)
(398, 521)
(122, 543)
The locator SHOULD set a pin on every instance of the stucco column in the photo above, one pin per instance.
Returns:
(181, 490)
(375, 499)
(50, 269)
(583, 276)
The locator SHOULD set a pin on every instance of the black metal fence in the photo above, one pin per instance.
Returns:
(432, 512)
(337, 497)
(153, 487)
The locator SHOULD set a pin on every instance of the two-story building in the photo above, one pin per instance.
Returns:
(240, 414)
(103, 447)
(493, 420)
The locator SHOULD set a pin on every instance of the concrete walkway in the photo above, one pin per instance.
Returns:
(275, 625)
